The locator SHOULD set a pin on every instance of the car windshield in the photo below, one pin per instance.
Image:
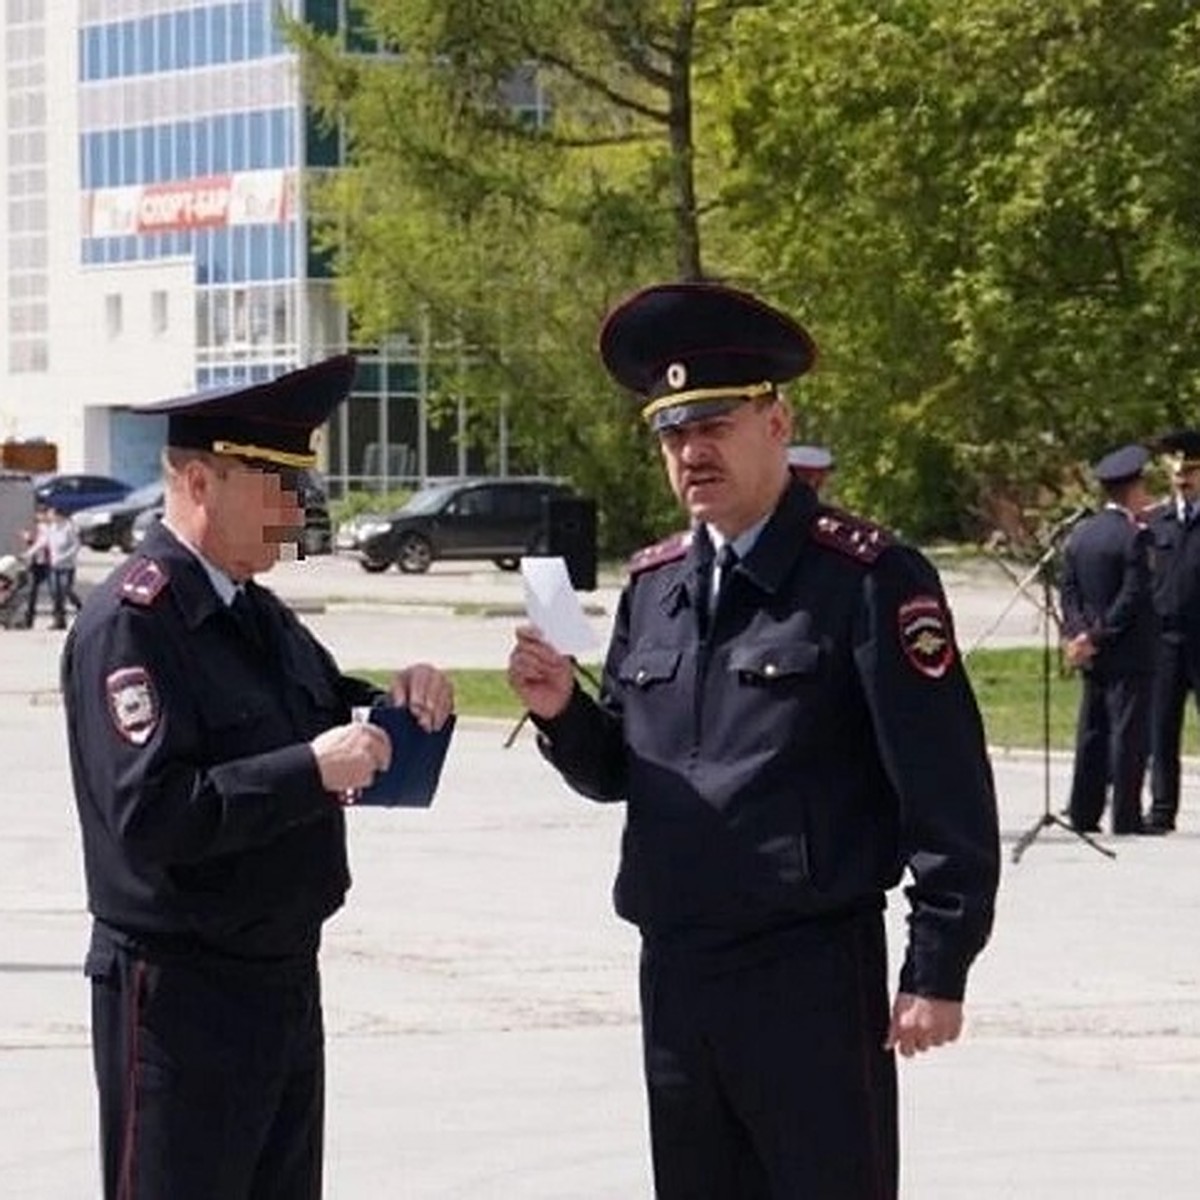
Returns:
(427, 500)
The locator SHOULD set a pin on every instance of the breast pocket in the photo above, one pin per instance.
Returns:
(645, 670)
(781, 665)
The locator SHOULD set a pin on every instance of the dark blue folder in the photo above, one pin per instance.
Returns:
(417, 758)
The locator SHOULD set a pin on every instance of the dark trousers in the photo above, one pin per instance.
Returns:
(39, 573)
(62, 589)
(769, 1081)
(1110, 746)
(210, 1078)
(1175, 675)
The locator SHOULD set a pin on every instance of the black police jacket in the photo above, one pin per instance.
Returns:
(203, 817)
(1175, 565)
(792, 761)
(1106, 592)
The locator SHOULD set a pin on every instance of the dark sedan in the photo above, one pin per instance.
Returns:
(105, 526)
(500, 519)
(70, 493)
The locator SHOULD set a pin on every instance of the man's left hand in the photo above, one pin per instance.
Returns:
(426, 692)
(922, 1022)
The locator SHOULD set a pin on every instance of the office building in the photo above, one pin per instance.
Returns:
(156, 238)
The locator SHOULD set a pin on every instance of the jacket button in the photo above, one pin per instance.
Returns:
(770, 670)
(641, 676)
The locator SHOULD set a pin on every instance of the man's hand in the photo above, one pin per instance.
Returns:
(921, 1022)
(348, 756)
(426, 692)
(1079, 650)
(542, 678)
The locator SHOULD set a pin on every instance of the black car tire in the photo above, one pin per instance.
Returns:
(507, 563)
(373, 566)
(414, 554)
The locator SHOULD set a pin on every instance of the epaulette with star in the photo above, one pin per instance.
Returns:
(853, 536)
(670, 549)
(143, 582)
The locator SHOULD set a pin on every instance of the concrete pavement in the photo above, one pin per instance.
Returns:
(481, 999)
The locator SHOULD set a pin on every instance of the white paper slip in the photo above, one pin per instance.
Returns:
(553, 606)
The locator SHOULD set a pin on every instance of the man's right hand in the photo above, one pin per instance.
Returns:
(540, 676)
(349, 756)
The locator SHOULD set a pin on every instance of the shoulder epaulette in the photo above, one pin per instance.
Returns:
(143, 581)
(670, 549)
(850, 535)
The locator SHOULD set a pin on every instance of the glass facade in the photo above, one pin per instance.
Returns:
(194, 138)
(27, 282)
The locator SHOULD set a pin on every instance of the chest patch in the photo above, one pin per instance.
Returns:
(132, 704)
(925, 635)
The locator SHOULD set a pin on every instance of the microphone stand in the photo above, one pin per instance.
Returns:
(1049, 818)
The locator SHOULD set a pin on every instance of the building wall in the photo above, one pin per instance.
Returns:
(153, 235)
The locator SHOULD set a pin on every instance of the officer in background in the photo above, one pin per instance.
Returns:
(211, 739)
(784, 711)
(811, 464)
(1175, 534)
(1109, 627)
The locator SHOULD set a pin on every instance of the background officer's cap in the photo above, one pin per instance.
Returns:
(270, 423)
(1182, 447)
(1121, 465)
(696, 350)
(810, 458)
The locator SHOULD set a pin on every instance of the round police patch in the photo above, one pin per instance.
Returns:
(925, 635)
(132, 704)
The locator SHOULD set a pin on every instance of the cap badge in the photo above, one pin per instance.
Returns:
(677, 375)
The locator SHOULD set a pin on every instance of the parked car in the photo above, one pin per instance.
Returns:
(318, 528)
(500, 519)
(70, 493)
(104, 526)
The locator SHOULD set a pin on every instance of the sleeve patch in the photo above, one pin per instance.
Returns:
(132, 704)
(143, 581)
(925, 635)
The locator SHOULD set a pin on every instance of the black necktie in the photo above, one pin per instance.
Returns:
(726, 560)
(244, 611)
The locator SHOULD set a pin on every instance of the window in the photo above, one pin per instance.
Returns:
(158, 313)
(113, 314)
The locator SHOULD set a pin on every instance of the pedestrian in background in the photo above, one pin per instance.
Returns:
(62, 545)
(211, 745)
(1175, 535)
(786, 715)
(37, 558)
(1109, 627)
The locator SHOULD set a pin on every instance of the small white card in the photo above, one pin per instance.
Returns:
(553, 606)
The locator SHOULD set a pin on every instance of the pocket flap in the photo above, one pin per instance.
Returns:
(774, 660)
(645, 667)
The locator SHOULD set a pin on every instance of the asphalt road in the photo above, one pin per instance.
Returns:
(480, 994)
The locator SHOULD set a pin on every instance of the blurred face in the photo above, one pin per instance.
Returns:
(240, 514)
(729, 471)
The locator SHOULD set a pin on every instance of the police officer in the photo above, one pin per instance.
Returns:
(812, 464)
(211, 739)
(1109, 626)
(1175, 533)
(784, 711)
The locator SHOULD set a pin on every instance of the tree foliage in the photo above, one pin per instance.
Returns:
(986, 213)
(515, 236)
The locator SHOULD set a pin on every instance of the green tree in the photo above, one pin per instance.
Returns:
(987, 213)
(512, 234)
